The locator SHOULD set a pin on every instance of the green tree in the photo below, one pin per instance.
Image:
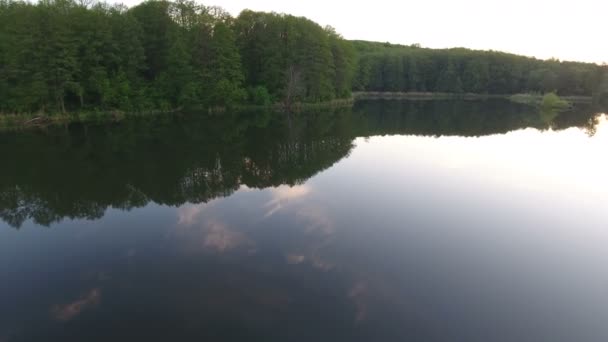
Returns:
(449, 79)
(225, 72)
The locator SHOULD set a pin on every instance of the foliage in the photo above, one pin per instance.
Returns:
(259, 96)
(398, 68)
(552, 101)
(63, 56)
(528, 99)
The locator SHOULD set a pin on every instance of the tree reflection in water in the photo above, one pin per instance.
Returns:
(82, 170)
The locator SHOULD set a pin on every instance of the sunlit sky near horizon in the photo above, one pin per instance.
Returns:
(567, 30)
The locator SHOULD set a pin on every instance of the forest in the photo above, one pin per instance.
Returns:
(398, 68)
(58, 56)
(61, 56)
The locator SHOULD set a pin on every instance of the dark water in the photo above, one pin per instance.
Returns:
(394, 221)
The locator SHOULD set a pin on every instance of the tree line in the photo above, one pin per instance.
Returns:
(64, 55)
(398, 68)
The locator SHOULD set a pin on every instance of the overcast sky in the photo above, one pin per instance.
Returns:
(568, 30)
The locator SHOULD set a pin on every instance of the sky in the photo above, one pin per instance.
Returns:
(567, 30)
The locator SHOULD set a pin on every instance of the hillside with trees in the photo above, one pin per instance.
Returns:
(64, 56)
(398, 68)
(58, 56)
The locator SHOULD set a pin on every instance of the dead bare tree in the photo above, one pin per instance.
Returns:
(86, 3)
(293, 86)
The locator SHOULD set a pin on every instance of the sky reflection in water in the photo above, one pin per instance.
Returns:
(486, 238)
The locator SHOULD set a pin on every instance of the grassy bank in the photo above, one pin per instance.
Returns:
(550, 101)
(546, 101)
(303, 106)
(37, 120)
(370, 95)
(33, 120)
(282, 107)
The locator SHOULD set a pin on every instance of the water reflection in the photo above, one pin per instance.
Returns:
(281, 196)
(80, 171)
(66, 312)
(435, 221)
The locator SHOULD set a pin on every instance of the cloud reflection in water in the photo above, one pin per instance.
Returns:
(67, 312)
(282, 195)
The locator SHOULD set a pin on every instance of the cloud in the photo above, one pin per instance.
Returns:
(188, 213)
(313, 259)
(282, 195)
(219, 238)
(295, 259)
(371, 295)
(212, 235)
(68, 311)
(358, 293)
(318, 262)
(316, 221)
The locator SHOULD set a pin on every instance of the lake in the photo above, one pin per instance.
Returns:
(390, 221)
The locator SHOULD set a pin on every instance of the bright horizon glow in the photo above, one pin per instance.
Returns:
(524, 159)
(566, 30)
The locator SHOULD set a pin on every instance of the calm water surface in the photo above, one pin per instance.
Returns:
(394, 221)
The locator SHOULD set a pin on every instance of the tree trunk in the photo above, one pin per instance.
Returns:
(293, 83)
(62, 104)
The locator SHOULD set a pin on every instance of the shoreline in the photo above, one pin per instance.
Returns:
(15, 122)
(372, 95)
